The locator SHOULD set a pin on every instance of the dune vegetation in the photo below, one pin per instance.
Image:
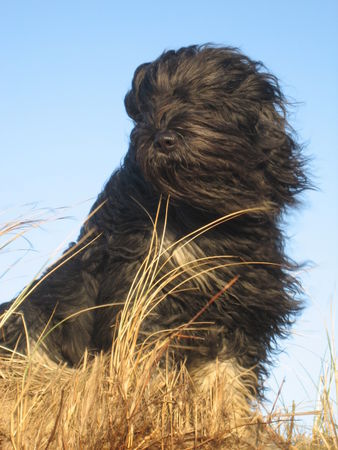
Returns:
(132, 398)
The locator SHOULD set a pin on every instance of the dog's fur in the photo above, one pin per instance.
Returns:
(211, 133)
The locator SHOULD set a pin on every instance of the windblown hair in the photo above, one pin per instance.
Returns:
(210, 133)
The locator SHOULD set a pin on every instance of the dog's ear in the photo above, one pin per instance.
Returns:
(283, 162)
(131, 100)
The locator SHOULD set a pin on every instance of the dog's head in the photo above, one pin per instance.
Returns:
(210, 129)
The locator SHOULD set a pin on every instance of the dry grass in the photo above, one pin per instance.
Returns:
(324, 431)
(133, 399)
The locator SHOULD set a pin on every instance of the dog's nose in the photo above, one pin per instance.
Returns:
(165, 140)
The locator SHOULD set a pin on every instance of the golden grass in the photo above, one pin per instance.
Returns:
(133, 398)
(324, 431)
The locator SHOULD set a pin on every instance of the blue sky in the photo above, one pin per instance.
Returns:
(65, 68)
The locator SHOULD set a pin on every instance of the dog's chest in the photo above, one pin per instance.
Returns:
(192, 261)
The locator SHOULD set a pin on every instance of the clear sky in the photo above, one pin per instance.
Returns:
(65, 68)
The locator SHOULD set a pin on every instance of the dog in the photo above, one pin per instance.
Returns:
(212, 166)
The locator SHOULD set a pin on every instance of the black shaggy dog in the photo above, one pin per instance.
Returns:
(211, 135)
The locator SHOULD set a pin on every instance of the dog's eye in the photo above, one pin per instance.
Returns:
(181, 93)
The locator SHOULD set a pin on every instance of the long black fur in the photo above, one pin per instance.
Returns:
(210, 132)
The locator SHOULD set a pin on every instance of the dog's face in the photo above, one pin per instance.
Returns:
(209, 126)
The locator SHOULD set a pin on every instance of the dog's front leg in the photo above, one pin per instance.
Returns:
(53, 318)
